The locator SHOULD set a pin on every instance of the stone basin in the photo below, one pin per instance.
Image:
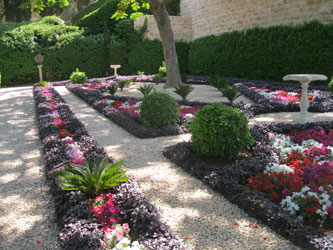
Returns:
(305, 77)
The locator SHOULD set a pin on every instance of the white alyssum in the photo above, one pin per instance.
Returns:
(278, 168)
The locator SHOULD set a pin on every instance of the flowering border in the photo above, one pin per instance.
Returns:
(94, 99)
(230, 181)
(78, 227)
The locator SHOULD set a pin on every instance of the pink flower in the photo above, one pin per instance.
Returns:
(126, 228)
(119, 235)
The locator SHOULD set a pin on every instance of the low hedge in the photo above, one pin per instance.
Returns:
(78, 228)
(231, 179)
(265, 53)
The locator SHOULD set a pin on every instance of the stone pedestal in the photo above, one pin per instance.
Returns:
(40, 72)
(305, 80)
(115, 67)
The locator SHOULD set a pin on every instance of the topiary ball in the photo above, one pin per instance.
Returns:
(78, 77)
(158, 110)
(220, 131)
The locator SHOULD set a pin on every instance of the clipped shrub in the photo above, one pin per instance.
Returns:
(220, 131)
(78, 77)
(53, 20)
(264, 53)
(159, 110)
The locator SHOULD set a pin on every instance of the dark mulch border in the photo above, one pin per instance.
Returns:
(230, 182)
(78, 228)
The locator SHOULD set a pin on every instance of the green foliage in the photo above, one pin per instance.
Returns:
(265, 53)
(141, 73)
(63, 47)
(42, 83)
(230, 92)
(330, 85)
(159, 110)
(184, 78)
(92, 178)
(112, 89)
(122, 84)
(0, 79)
(78, 77)
(53, 20)
(148, 55)
(97, 4)
(220, 131)
(174, 8)
(183, 90)
(146, 89)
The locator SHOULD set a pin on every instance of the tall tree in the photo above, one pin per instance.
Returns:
(160, 13)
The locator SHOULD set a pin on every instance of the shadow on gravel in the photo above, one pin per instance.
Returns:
(25, 210)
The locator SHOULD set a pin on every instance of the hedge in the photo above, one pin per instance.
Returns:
(94, 6)
(265, 53)
(147, 56)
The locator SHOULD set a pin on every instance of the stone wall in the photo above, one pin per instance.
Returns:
(218, 16)
(181, 26)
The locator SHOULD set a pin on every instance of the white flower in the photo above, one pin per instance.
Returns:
(278, 168)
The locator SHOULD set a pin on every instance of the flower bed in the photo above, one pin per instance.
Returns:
(231, 182)
(123, 111)
(284, 97)
(65, 139)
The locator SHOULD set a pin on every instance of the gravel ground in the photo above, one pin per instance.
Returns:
(203, 218)
(26, 208)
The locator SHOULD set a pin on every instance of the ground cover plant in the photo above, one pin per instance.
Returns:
(242, 181)
(90, 223)
(125, 111)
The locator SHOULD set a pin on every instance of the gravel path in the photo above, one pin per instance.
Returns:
(26, 210)
(203, 218)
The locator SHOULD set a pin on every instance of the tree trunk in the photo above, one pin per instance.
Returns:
(2, 11)
(159, 10)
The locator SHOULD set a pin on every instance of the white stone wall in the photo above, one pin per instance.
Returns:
(181, 26)
(218, 16)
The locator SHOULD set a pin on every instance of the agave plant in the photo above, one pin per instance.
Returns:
(146, 89)
(231, 93)
(183, 90)
(112, 89)
(92, 178)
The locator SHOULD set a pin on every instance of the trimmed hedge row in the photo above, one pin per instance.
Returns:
(230, 182)
(265, 53)
(78, 228)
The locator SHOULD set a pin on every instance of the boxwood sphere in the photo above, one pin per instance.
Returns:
(159, 110)
(220, 131)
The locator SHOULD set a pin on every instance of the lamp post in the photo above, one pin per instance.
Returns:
(106, 49)
(39, 59)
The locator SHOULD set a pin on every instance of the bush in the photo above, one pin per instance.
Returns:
(174, 8)
(78, 77)
(159, 110)
(220, 131)
(183, 90)
(264, 53)
(53, 20)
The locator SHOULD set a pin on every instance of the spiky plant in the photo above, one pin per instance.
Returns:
(230, 92)
(112, 89)
(146, 89)
(92, 178)
(183, 90)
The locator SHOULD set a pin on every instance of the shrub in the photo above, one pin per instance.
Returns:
(146, 89)
(122, 84)
(174, 8)
(330, 85)
(218, 82)
(183, 90)
(220, 131)
(264, 53)
(53, 20)
(158, 110)
(78, 77)
(92, 178)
